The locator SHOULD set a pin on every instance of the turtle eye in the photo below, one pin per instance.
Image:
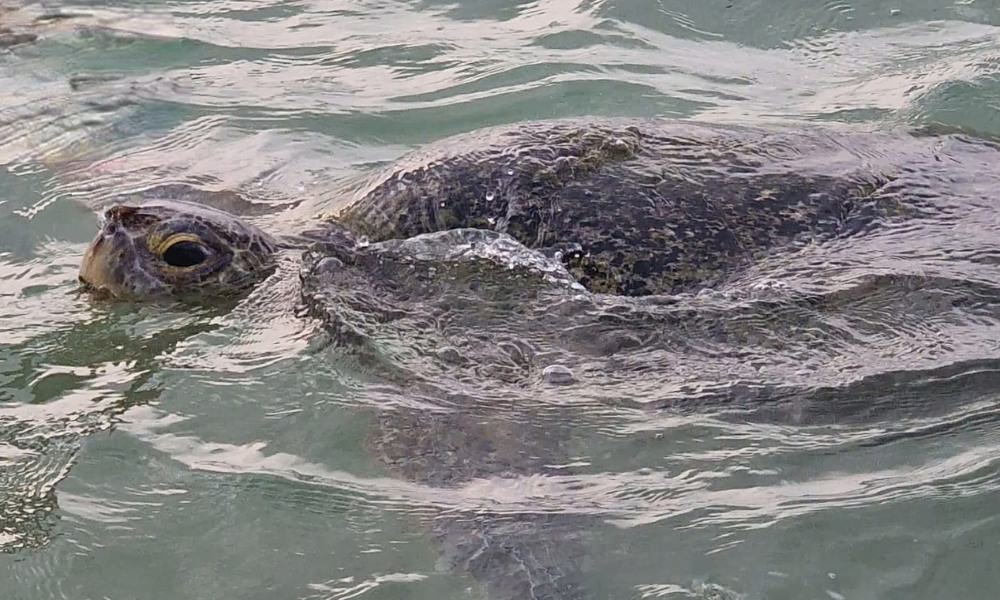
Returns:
(185, 254)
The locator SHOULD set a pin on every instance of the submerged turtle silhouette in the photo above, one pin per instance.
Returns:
(621, 208)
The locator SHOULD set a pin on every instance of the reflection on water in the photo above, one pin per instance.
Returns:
(822, 425)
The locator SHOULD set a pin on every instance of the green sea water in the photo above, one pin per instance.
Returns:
(225, 451)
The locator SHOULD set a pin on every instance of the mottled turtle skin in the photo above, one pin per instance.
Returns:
(127, 258)
(632, 208)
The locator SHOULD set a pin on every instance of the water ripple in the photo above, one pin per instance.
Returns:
(835, 384)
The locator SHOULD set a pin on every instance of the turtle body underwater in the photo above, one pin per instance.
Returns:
(481, 258)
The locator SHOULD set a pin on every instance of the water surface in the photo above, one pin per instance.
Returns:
(782, 448)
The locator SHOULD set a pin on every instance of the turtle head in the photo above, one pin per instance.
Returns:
(174, 248)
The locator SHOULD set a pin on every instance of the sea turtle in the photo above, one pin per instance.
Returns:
(629, 208)
(514, 230)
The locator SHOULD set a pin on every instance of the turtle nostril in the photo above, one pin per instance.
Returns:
(111, 229)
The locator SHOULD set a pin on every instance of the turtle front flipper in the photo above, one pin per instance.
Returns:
(432, 316)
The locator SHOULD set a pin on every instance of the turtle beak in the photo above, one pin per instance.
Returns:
(96, 266)
(102, 263)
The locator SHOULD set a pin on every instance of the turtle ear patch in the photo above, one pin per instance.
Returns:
(185, 254)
